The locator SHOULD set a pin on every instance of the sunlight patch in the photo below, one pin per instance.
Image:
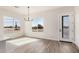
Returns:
(22, 41)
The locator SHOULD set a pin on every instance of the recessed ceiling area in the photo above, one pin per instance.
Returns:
(33, 9)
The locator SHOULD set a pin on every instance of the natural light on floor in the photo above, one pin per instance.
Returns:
(22, 41)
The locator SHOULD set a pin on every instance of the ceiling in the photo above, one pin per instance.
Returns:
(33, 9)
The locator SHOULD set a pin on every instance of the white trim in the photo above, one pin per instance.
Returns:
(71, 15)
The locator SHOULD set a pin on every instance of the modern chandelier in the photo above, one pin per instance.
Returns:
(28, 15)
(28, 18)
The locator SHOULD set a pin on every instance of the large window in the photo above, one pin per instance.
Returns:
(11, 24)
(16, 24)
(38, 24)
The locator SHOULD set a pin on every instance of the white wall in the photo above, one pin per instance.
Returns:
(77, 26)
(51, 23)
(3, 13)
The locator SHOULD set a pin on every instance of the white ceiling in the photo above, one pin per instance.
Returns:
(33, 9)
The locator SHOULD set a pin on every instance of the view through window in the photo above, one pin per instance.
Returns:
(38, 24)
(11, 24)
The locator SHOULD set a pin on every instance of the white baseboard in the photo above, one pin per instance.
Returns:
(44, 38)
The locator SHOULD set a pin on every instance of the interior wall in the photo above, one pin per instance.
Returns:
(77, 26)
(3, 13)
(51, 23)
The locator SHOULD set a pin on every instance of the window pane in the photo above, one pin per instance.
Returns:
(11, 24)
(17, 24)
(65, 27)
(8, 24)
(37, 24)
(8, 21)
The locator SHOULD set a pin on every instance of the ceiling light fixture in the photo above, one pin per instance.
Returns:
(28, 15)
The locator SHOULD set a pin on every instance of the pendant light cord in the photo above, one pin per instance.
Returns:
(28, 13)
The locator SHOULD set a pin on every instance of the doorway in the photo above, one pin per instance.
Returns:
(66, 28)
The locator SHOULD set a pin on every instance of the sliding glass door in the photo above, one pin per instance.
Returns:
(66, 28)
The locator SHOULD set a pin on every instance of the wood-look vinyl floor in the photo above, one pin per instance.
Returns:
(47, 46)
